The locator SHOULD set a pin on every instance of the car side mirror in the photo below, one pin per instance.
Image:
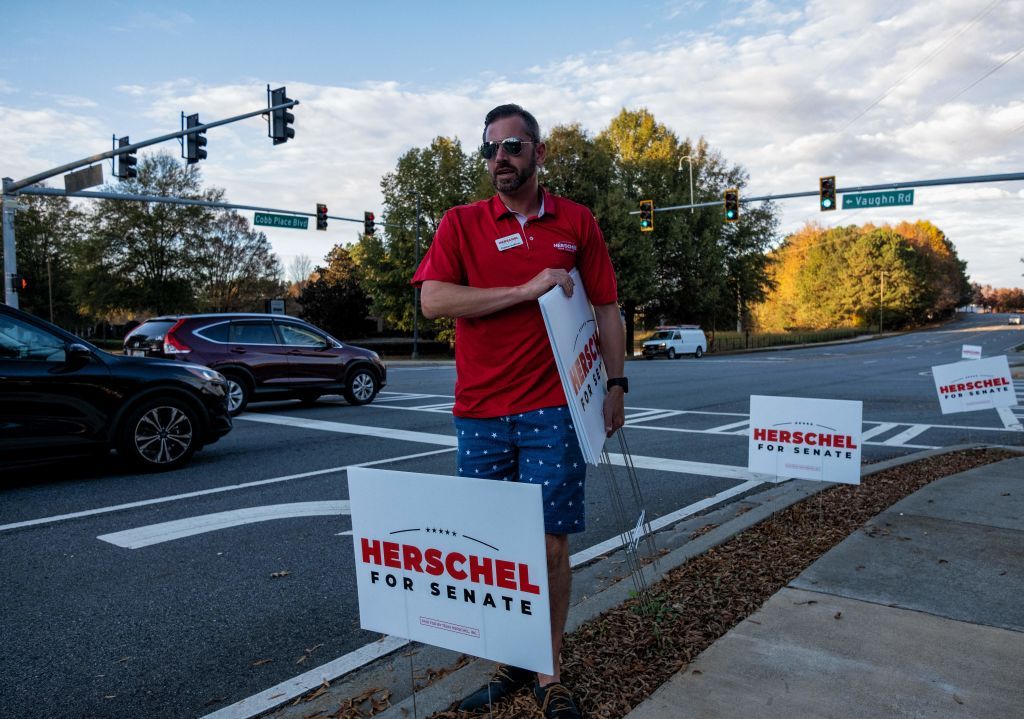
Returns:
(77, 353)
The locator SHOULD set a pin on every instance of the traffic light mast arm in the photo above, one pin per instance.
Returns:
(14, 186)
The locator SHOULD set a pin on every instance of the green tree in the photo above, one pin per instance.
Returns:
(235, 269)
(334, 299)
(440, 176)
(142, 256)
(45, 234)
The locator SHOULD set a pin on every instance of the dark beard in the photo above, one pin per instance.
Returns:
(511, 183)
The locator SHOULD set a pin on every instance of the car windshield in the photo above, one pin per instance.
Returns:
(662, 335)
(151, 330)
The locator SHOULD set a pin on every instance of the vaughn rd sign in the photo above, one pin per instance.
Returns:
(891, 198)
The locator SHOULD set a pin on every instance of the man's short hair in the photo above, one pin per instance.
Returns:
(510, 110)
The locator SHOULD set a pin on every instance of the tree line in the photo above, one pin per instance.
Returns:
(861, 276)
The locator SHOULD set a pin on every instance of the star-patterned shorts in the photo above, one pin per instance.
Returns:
(539, 447)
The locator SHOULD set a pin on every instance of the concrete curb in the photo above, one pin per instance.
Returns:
(460, 682)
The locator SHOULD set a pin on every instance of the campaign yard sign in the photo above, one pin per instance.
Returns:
(572, 331)
(798, 438)
(455, 562)
(971, 352)
(974, 384)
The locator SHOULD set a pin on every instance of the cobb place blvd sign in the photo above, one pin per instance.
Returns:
(878, 199)
(268, 220)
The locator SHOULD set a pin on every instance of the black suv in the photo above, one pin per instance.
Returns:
(61, 396)
(263, 356)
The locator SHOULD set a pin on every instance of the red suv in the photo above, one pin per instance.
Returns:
(263, 356)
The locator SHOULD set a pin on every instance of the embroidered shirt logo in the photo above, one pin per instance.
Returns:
(565, 246)
(508, 242)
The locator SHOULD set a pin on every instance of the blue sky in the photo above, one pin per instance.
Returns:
(871, 92)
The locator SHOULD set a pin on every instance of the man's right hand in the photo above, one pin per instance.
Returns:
(545, 280)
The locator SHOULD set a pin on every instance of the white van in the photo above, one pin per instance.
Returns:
(676, 341)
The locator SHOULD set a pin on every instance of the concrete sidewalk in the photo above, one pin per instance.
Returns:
(920, 613)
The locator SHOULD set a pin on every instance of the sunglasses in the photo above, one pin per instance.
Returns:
(512, 146)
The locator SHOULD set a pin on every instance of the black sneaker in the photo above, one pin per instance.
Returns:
(556, 702)
(505, 681)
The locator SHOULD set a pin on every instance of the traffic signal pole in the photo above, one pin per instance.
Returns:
(1008, 177)
(11, 188)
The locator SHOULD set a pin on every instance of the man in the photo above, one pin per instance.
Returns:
(487, 266)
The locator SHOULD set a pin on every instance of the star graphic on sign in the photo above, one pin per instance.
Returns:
(541, 412)
(494, 435)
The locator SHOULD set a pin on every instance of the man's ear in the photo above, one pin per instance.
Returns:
(542, 152)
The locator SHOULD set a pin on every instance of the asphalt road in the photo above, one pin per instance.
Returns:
(107, 615)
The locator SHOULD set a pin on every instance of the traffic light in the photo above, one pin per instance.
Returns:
(321, 217)
(126, 162)
(827, 193)
(19, 283)
(195, 144)
(281, 120)
(646, 215)
(732, 204)
(368, 223)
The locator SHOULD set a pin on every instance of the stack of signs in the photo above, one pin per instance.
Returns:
(796, 438)
(974, 384)
(572, 331)
(455, 562)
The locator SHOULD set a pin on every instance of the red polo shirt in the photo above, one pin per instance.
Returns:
(503, 361)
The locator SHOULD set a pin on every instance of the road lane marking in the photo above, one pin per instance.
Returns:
(875, 431)
(447, 440)
(215, 490)
(1010, 420)
(190, 526)
(724, 427)
(905, 436)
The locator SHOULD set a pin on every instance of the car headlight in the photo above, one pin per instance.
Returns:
(206, 373)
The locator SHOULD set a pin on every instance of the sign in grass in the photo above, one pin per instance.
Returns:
(890, 198)
(267, 219)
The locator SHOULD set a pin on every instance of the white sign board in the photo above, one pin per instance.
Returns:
(797, 438)
(973, 385)
(455, 562)
(971, 352)
(572, 331)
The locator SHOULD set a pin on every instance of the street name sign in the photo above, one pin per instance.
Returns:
(267, 219)
(890, 198)
(81, 179)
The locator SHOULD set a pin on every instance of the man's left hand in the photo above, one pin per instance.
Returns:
(614, 410)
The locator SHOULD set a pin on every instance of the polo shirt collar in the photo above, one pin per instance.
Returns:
(499, 210)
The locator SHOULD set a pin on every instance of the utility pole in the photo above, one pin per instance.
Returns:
(881, 302)
(416, 290)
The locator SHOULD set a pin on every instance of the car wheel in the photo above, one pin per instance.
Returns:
(671, 352)
(699, 353)
(161, 433)
(239, 392)
(362, 387)
(309, 398)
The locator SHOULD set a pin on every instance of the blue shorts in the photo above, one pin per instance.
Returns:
(539, 447)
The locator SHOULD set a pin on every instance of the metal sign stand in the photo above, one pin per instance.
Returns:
(634, 526)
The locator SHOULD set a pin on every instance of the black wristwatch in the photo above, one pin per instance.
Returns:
(619, 382)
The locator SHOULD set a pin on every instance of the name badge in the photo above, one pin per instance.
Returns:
(508, 242)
